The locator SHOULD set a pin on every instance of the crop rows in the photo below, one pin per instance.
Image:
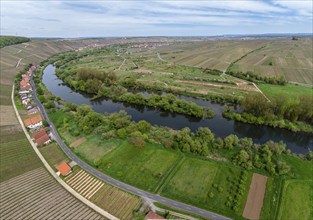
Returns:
(16, 156)
(109, 198)
(35, 195)
(84, 183)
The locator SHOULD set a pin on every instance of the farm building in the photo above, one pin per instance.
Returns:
(33, 122)
(151, 215)
(41, 137)
(64, 169)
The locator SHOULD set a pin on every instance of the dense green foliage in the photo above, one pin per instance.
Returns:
(252, 77)
(104, 84)
(10, 40)
(242, 152)
(294, 115)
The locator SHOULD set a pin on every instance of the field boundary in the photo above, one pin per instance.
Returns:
(47, 166)
(169, 175)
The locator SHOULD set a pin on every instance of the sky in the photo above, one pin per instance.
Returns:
(70, 19)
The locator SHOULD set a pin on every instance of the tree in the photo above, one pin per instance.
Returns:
(205, 136)
(45, 123)
(137, 141)
(243, 159)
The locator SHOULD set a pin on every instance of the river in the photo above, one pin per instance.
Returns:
(299, 142)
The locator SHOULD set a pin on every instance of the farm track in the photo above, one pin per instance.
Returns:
(35, 195)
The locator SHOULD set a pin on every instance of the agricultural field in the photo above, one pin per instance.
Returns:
(287, 57)
(255, 198)
(53, 154)
(296, 201)
(117, 202)
(148, 69)
(211, 54)
(208, 185)
(16, 155)
(145, 171)
(289, 91)
(36, 195)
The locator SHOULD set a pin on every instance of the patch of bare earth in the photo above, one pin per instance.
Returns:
(78, 142)
(241, 87)
(255, 198)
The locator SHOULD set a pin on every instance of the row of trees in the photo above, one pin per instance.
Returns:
(10, 40)
(252, 77)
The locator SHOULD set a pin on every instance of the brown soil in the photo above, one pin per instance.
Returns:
(78, 142)
(255, 198)
(241, 87)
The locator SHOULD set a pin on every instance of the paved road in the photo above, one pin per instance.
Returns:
(117, 183)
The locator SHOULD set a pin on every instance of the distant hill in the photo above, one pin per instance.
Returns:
(9, 40)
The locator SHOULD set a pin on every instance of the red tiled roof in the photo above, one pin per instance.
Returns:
(39, 134)
(31, 121)
(152, 215)
(64, 168)
(43, 139)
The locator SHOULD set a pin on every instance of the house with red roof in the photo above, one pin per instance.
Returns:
(64, 169)
(152, 216)
(41, 137)
(33, 122)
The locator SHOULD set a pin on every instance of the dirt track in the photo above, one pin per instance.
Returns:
(255, 198)
(78, 142)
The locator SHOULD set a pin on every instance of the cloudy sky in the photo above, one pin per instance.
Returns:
(154, 18)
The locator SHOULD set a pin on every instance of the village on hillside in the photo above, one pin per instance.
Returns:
(34, 122)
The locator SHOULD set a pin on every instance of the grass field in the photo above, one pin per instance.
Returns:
(146, 168)
(94, 148)
(16, 155)
(53, 154)
(196, 179)
(297, 200)
(289, 91)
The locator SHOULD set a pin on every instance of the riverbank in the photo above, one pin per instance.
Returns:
(220, 126)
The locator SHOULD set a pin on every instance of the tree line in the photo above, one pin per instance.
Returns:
(240, 151)
(10, 40)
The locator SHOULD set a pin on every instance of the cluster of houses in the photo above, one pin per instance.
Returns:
(26, 91)
(145, 45)
(34, 123)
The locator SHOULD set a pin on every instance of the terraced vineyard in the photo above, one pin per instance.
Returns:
(16, 155)
(107, 197)
(35, 195)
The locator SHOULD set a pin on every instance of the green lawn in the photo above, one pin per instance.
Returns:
(297, 200)
(197, 179)
(289, 90)
(141, 167)
(53, 154)
(94, 148)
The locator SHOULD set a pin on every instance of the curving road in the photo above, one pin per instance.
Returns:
(126, 187)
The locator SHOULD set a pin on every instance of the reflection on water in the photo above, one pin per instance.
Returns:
(297, 142)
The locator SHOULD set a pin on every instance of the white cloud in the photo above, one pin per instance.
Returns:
(91, 18)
